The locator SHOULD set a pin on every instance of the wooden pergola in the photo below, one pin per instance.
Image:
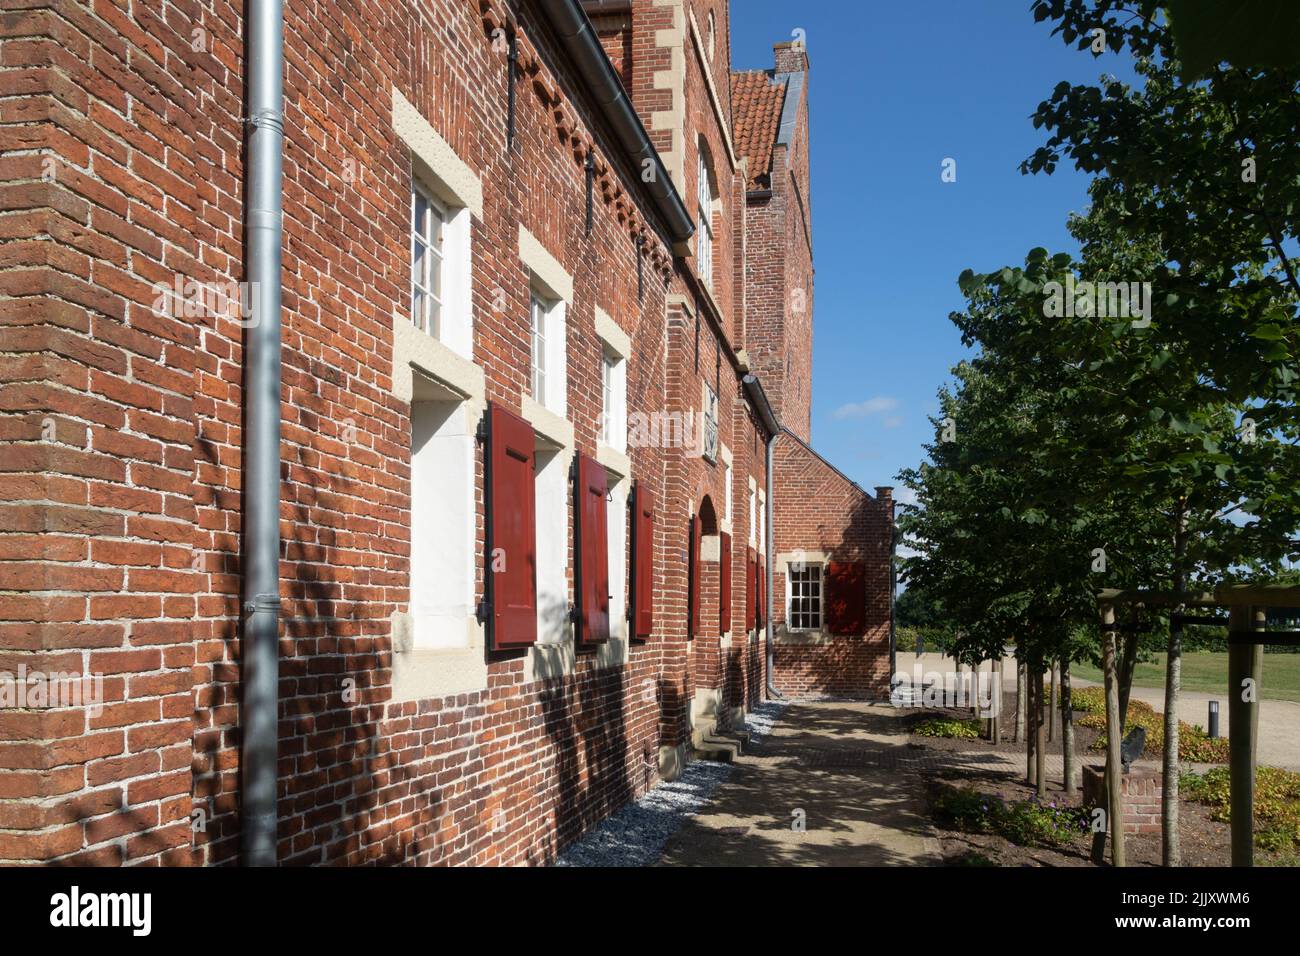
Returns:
(1247, 606)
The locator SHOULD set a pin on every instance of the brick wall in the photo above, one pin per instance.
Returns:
(778, 256)
(121, 431)
(821, 513)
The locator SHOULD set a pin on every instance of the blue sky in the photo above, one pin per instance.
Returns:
(898, 87)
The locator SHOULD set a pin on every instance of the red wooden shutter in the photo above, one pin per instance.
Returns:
(724, 583)
(846, 598)
(751, 593)
(643, 537)
(512, 543)
(760, 585)
(591, 529)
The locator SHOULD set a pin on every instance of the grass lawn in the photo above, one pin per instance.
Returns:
(1208, 671)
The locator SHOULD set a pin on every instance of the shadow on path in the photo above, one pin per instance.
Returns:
(831, 764)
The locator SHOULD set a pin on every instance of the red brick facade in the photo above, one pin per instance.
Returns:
(121, 425)
(821, 517)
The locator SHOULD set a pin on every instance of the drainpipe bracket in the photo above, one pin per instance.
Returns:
(267, 119)
(262, 602)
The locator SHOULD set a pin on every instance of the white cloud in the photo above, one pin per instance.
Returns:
(872, 406)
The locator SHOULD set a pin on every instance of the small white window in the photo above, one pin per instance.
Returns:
(441, 271)
(608, 371)
(704, 238)
(428, 261)
(753, 519)
(804, 596)
(726, 477)
(539, 311)
(762, 523)
(710, 423)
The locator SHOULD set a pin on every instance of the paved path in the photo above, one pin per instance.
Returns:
(839, 764)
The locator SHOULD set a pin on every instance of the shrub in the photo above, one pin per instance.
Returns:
(1023, 822)
(945, 727)
(1277, 803)
(1194, 745)
(1092, 702)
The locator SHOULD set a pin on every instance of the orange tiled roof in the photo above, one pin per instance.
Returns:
(756, 103)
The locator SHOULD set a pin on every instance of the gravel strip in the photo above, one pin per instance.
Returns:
(636, 835)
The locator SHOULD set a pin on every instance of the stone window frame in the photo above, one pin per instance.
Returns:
(782, 632)
(790, 572)
(444, 371)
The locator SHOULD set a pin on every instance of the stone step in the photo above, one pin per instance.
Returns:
(721, 747)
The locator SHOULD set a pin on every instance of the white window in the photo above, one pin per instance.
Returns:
(804, 597)
(616, 525)
(539, 310)
(428, 260)
(704, 235)
(608, 400)
(441, 283)
(614, 349)
(726, 477)
(710, 423)
(753, 519)
(762, 523)
(551, 473)
(442, 522)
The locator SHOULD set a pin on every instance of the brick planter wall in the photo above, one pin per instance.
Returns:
(1141, 791)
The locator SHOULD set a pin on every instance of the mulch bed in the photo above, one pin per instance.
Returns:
(1204, 842)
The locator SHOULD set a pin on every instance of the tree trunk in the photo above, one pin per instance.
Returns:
(1040, 744)
(1029, 727)
(1171, 851)
(1114, 814)
(1051, 709)
(996, 700)
(1067, 727)
(1124, 677)
(1020, 701)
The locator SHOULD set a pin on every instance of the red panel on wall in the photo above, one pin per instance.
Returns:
(751, 593)
(512, 545)
(643, 565)
(846, 598)
(760, 585)
(724, 583)
(591, 529)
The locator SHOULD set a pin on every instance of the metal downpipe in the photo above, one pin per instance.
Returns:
(768, 547)
(259, 713)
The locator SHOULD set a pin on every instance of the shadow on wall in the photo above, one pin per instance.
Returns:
(584, 716)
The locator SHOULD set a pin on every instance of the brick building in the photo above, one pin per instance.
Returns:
(535, 297)
(833, 568)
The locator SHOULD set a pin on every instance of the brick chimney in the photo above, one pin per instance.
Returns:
(791, 56)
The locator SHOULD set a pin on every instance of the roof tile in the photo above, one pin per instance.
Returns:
(757, 99)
